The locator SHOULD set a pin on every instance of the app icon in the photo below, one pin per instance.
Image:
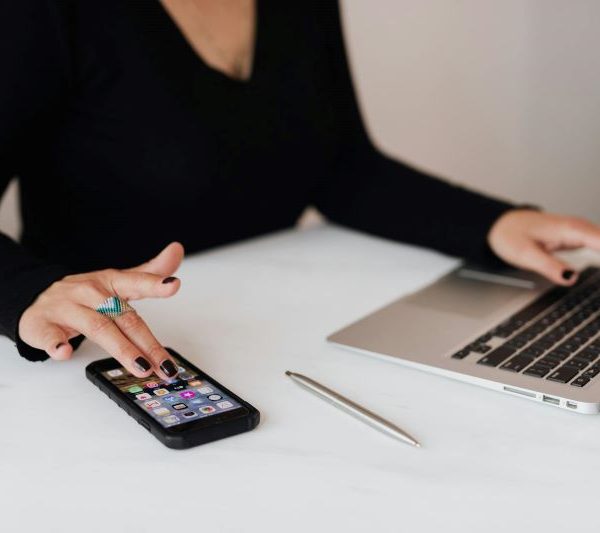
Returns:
(150, 384)
(205, 390)
(207, 409)
(180, 369)
(176, 384)
(171, 419)
(189, 414)
(179, 406)
(194, 383)
(135, 388)
(224, 405)
(186, 375)
(115, 373)
(152, 404)
(143, 396)
(160, 392)
(161, 411)
(187, 394)
(215, 397)
(170, 398)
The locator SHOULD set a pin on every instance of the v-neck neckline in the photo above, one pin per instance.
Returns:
(195, 57)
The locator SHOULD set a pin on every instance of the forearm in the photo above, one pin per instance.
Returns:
(22, 278)
(373, 193)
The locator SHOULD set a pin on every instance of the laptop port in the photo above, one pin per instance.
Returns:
(571, 405)
(550, 399)
(520, 391)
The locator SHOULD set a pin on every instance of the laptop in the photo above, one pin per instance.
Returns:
(506, 330)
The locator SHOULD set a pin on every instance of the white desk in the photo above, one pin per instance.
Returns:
(70, 460)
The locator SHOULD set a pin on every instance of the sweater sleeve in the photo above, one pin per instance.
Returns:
(33, 70)
(371, 192)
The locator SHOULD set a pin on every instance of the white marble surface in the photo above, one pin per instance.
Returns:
(70, 460)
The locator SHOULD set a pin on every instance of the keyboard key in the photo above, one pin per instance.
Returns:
(481, 348)
(461, 354)
(484, 338)
(517, 342)
(538, 371)
(564, 374)
(586, 355)
(516, 364)
(526, 336)
(581, 381)
(595, 346)
(569, 347)
(497, 356)
(592, 349)
(533, 351)
(592, 372)
(503, 332)
(549, 362)
(558, 354)
(543, 344)
(577, 363)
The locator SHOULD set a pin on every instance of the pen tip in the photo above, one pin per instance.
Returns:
(417, 445)
(288, 373)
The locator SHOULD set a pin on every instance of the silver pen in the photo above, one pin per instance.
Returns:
(357, 411)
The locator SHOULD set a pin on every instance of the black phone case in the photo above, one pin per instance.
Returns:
(186, 437)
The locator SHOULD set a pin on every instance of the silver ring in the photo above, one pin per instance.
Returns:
(114, 307)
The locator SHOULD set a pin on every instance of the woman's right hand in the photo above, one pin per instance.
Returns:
(66, 309)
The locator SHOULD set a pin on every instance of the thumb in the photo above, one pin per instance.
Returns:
(534, 257)
(165, 263)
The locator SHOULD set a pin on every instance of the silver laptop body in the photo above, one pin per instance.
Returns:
(425, 329)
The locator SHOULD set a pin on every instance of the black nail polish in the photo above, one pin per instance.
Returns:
(60, 345)
(567, 274)
(142, 364)
(170, 279)
(168, 368)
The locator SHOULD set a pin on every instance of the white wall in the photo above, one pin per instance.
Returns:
(501, 95)
(9, 219)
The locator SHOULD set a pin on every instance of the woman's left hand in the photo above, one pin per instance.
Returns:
(527, 239)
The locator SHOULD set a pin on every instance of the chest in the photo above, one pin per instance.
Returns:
(144, 92)
(221, 33)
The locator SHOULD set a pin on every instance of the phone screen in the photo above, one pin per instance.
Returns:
(185, 398)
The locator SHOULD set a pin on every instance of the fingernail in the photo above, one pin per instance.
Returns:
(168, 368)
(142, 364)
(60, 345)
(170, 279)
(568, 274)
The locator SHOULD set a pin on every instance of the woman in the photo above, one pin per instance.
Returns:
(131, 124)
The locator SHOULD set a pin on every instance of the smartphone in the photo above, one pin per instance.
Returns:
(182, 412)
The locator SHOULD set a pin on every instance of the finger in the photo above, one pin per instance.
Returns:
(165, 263)
(127, 285)
(534, 257)
(138, 285)
(71, 333)
(138, 332)
(578, 232)
(61, 351)
(104, 332)
(52, 339)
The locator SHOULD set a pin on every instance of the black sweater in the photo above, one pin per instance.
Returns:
(123, 140)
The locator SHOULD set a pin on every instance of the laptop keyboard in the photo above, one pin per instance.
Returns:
(556, 337)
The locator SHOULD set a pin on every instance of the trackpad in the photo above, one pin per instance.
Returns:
(468, 297)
